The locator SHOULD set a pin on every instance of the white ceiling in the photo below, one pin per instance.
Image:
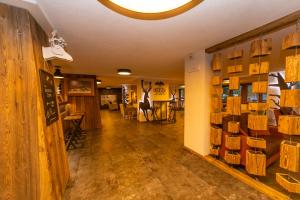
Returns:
(101, 41)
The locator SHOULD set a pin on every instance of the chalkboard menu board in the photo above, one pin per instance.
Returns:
(49, 98)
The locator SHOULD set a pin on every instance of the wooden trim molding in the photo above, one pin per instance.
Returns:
(150, 16)
(267, 28)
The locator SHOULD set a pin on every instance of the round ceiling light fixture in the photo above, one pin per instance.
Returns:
(150, 9)
(124, 72)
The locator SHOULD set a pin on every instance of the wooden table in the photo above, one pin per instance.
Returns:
(76, 133)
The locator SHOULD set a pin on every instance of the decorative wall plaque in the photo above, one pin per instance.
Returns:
(49, 98)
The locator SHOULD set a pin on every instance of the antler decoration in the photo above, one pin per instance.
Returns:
(56, 40)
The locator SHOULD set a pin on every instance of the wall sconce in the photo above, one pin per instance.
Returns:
(57, 73)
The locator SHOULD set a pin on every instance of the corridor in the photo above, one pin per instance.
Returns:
(132, 160)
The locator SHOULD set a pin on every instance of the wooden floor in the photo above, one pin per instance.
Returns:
(131, 160)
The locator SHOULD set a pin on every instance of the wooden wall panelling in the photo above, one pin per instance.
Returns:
(233, 127)
(260, 87)
(216, 91)
(256, 163)
(216, 104)
(290, 98)
(292, 40)
(233, 158)
(258, 122)
(215, 150)
(257, 106)
(87, 104)
(90, 106)
(216, 80)
(289, 124)
(235, 54)
(292, 68)
(255, 142)
(54, 139)
(234, 83)
(289, 183)
(234, 69)
(17, 151)
(233, 142)
(259, 68)
(234, 105)
(261, 47)
(215, 135)
(216, 62)
(290, 156)
(216, 118)
(33, 161)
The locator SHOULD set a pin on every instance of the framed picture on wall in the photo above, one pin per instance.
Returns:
(81, 87)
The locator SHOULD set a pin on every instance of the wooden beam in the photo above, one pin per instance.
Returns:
(267, 28)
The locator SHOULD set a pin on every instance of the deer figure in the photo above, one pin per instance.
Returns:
(173, 93)
(145, 105)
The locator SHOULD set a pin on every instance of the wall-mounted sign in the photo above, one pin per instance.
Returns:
(49, 98)
(159, 91)
(159, 88)
(81, 87)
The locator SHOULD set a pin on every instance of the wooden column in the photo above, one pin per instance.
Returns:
(32, 155)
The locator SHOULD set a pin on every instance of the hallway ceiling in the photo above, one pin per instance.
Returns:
(101, 41)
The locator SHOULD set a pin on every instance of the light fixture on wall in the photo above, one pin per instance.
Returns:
(98, 82)
(226, 81)
(124, 72)
(57, 73)
(150, 10)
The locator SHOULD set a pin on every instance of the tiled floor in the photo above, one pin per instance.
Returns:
(131, 160)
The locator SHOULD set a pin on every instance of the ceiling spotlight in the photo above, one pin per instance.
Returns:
(99, 82)
(124, 72)
(57, 73)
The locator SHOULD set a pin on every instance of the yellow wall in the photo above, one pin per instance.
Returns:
(153, 96)
(197, 103)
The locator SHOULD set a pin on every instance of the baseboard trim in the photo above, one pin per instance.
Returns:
(193, 152)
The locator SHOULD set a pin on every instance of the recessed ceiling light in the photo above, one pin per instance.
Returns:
(150, 9)
(57, 73)
(124, 72)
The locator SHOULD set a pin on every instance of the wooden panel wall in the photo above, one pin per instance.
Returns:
(32, 156)
(88, 104)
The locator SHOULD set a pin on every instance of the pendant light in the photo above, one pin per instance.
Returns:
(99, 82)
(57, 73)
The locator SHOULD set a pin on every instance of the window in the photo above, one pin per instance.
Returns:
(253, 97)
(226, 93)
